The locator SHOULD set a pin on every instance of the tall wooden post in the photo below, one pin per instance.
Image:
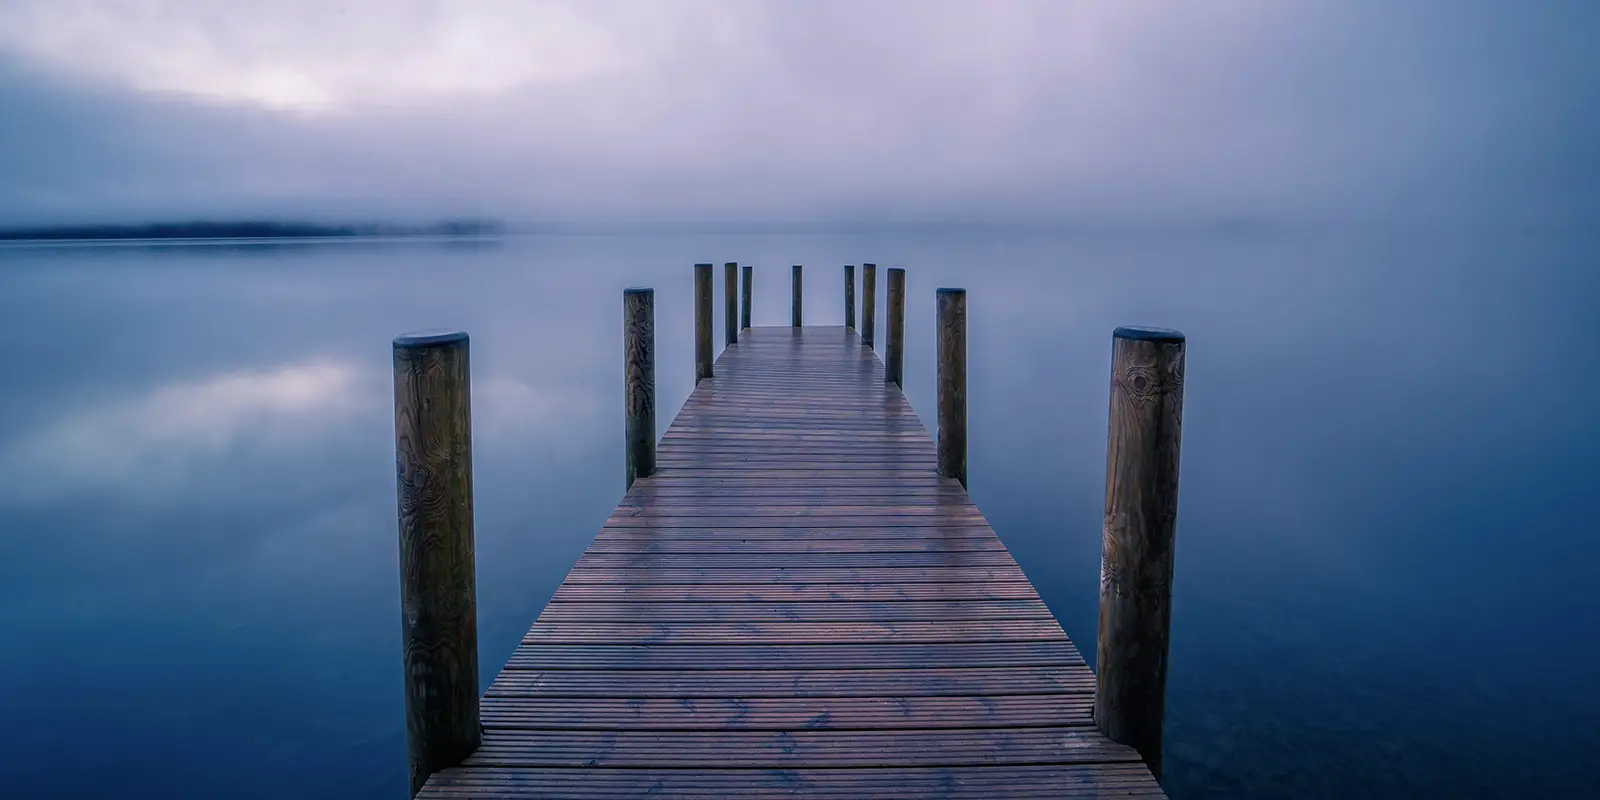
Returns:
(1140, 523)
(744, 313)
(952, 383)
(869, 301)
(850, 296)
(730, 288)
(795, 313)
(894, 356)
(438, 588)
(639, 381)
(702, 322)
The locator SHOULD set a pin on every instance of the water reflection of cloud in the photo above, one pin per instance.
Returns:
(158, 439)
(172, 436)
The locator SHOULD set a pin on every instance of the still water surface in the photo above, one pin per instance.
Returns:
(1387, 539)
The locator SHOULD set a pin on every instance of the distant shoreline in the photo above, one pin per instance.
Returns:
(244, 229)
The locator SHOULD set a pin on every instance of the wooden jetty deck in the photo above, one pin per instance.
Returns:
(795, 604)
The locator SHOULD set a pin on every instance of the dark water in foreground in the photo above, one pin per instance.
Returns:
(1387, 536)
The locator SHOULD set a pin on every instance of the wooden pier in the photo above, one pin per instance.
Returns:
(790, 601)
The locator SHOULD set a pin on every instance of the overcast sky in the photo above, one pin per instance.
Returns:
(806, 112)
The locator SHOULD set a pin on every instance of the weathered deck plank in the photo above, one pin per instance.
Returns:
(795, 605)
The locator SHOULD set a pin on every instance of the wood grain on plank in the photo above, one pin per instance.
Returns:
(799, 748)
(810, 682)
(853, 592)
(865, 658)
(746, 611)
(957, 783)
(788, 713)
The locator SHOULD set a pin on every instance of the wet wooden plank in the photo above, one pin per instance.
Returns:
(778, 576)
(619, 544)
(731, 521)
(787, 713)
(744, 611)
(818, 682)
(780, 539)
(709, 561)
(795, 604)
(798, 749)
(716, 658)
(853, 592)
(914, 631)
(955, 783)
(756, 510)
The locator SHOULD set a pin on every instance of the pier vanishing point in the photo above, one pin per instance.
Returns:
(795, 597)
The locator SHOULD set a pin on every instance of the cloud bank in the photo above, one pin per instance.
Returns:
(1036, 111)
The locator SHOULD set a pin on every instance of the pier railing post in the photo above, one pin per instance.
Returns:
(730, 288)
(1140, 523)
(869, 301)
(438, 591)
(952, 384)
(850, 296)
(744, 312)
(639, 381)
(894, 356)
(795, 312)
(702, 322)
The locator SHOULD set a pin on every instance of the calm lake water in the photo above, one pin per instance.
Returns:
(1387, 540)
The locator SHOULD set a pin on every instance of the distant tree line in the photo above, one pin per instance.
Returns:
(248, 229)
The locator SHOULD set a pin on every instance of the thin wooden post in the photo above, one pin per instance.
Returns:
(850, 296)
(639, 381)
(952, 382)
(744, 313)
(702, 322)
(730, 288)
(894, 356)
(795, 313)
(869, 301)
(438, 588)
(1140, 523)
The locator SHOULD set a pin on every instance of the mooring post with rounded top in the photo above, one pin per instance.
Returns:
(850, 296)
(702, 322)
(639, 381)
(730, 288)
(744, 312)
(438, 591)
(795, 312)
(894, 356)
(1140, 525)
(869, 301)
(952, 383)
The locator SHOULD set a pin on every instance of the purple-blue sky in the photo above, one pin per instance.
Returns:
(819, 112)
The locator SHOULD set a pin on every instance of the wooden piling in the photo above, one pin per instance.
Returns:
(639, 381)
(952, 383)
(702, 322)
(795, 312)
(744, 312)
(438, 592)
(1141, 517)
(730, 290)
(894, 356)
(869, 301)
(850, 296)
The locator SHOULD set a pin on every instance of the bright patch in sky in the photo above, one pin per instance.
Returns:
(306, 55)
